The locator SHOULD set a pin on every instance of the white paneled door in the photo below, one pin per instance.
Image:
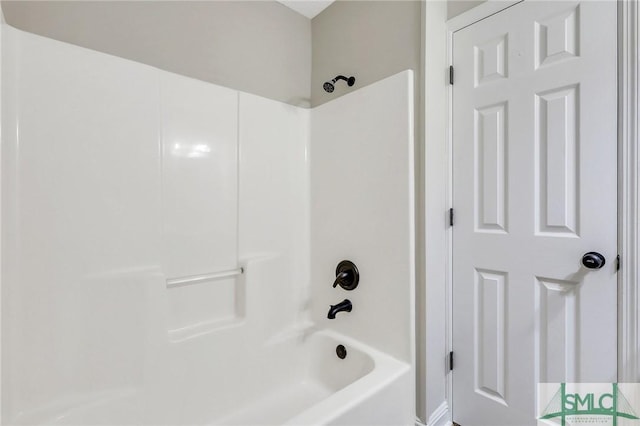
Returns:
(534, 159)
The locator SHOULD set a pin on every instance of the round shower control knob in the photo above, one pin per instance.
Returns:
(593, 260)
(347, 275)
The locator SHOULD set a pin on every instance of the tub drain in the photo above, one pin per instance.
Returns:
(341, 351)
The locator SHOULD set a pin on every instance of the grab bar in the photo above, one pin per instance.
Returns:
(195, 279)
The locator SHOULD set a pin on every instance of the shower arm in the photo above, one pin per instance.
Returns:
(340, 77)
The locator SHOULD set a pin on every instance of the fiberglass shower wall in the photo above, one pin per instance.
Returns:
(117, 180)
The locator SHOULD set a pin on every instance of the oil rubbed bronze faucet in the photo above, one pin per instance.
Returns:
(347, 275)
(344, 306)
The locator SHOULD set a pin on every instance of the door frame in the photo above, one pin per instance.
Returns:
(438, 131)
(628, 191)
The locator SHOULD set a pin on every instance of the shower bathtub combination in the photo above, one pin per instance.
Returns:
(169, 248)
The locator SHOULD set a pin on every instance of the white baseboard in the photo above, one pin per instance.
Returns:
(440, 417)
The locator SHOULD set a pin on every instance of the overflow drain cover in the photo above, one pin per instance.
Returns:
(341, 351)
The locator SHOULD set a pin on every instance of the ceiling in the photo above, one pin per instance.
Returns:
(308, 8)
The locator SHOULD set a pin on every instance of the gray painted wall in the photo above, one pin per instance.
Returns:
(259, 47)
(368, 39)
(456, 7)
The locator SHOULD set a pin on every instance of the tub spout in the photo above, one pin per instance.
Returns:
(345, 306)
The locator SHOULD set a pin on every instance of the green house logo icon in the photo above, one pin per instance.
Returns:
(588, 404)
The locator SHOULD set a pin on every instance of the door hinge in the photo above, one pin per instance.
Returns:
(451, 361)
(617, 262)
(451, 216)
(450, 74)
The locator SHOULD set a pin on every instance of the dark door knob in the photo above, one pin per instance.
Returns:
(593, 260)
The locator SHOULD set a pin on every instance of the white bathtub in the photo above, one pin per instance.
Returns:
(368, 387)
(363, 388)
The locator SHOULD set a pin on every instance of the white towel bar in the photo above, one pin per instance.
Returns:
(196, 279)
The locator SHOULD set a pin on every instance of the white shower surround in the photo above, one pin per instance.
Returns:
(105, 168)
